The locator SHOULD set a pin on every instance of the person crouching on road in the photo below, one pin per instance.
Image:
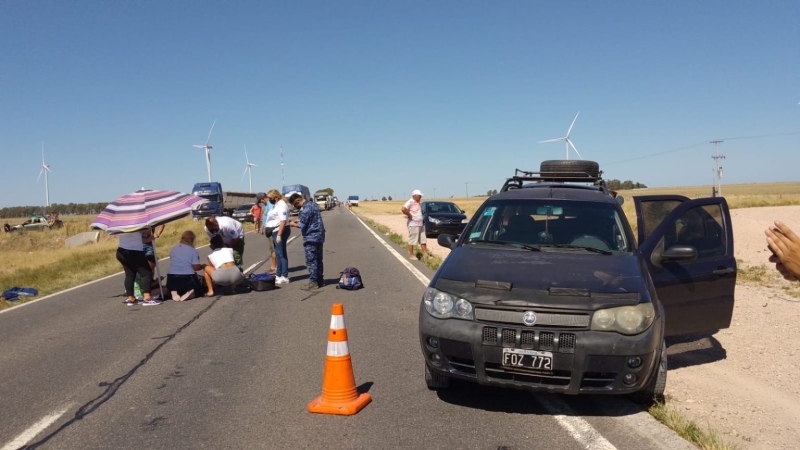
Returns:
(232, 234)
(221, 269)
(309, 220)
(278, 222)
(184, 262)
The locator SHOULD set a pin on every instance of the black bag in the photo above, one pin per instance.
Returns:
(350, 279)
(268, 232)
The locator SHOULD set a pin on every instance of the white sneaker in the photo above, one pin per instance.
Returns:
(282, 280)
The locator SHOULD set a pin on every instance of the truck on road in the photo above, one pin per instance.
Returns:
(353, 200)
(220, 203)
(323, 199)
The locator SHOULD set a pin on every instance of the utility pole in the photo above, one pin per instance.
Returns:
(717, 168)
(283, 178)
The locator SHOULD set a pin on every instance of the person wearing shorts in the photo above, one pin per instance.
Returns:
(416, 228)
(221, 269)
(256, 211)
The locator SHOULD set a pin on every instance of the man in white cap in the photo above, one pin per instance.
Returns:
(416, 228)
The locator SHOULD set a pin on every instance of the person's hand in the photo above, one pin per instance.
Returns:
(278, 239)
(785, 247)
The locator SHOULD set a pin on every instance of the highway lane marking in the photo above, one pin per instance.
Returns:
(579, 429)
(27, 435)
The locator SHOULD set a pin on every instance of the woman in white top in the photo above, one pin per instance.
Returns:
(130, 254)
(221, 269)
(184, 262)
(278, 221)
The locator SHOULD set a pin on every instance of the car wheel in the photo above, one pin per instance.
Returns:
(653, 391)
(570, 167)
(435, 380)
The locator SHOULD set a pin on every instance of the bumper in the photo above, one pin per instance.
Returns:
(584, 362)
(455, 230)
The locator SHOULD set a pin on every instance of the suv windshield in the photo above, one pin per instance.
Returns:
(549, 223)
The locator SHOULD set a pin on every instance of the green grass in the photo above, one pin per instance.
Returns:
(431, 261)
(704, 438)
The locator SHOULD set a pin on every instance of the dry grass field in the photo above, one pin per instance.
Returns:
(737, 196)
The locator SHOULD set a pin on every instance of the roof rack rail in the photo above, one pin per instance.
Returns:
(522, 176)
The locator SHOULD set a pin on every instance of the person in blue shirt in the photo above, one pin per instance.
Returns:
(309, 221)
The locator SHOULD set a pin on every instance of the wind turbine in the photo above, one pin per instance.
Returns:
(45, 170)
(566, 139)
(248, 168)
(208, 148)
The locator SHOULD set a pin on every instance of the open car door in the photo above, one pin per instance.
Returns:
(687, 246)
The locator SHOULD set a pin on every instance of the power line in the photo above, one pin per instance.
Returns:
(690, 146)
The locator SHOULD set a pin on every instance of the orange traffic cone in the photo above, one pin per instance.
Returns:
(339, 395)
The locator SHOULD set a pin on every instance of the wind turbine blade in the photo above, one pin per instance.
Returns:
(198, 146)
(40, 175)
(552, 140)
(246, 158)
(47, 168)
(209, 132)
(245, 171)
(574, 148)
(573, 124)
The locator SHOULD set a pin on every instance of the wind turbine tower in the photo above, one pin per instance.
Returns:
(208, 148)
(717, 168)
(567, 142)
(45, 170)
(248, 168)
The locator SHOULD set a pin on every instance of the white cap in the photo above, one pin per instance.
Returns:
(416, 192)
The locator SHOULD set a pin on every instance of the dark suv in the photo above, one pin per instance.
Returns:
(546, 289)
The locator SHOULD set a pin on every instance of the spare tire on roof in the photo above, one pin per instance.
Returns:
(570, 168)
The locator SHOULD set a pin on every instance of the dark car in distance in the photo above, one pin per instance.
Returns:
(549, 289)
(242, 213)
(442, 217)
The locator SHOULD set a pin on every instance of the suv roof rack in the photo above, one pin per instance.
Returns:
(559, 171)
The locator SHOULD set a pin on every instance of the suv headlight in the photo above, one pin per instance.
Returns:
(624, 319)
(444, 306)
(434, 220)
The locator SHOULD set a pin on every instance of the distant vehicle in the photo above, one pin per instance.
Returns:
(290, 189)
(443, 217)
(549, 289)
(353, 200)
(37, 222)
(242, 213)
(220, 203)
(323, 200)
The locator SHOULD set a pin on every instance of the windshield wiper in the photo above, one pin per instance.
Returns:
(580, 247)
(506, 243)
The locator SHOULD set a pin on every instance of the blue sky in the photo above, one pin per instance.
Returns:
(377, 98)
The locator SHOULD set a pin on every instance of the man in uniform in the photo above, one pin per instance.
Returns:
(309, 220)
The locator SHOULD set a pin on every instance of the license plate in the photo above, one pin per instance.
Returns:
(516, 358)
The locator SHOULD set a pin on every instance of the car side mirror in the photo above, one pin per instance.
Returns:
(679, 253)
(446, 240)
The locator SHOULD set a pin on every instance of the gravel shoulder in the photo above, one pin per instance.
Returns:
(742, 382)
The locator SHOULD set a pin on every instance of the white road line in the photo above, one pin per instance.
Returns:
(27, 435)
(579, 429)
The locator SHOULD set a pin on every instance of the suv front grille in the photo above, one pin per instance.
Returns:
(547, 319)
(530, 339)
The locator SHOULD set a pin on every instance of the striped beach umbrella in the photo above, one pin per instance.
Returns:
(143, 209)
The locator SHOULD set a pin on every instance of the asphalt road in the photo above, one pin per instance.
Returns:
(80, 370)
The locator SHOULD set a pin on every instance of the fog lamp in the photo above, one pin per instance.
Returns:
(634, 362)
(629, 379)
(433, 342)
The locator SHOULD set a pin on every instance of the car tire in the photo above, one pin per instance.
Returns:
(570, 167)
(653, 391)
(435, 380)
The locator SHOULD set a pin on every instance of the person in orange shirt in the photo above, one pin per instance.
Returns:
(256, 211)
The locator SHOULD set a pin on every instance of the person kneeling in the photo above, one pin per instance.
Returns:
(221, 269)
(182, 280)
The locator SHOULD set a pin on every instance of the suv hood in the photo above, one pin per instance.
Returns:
(508, 276)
